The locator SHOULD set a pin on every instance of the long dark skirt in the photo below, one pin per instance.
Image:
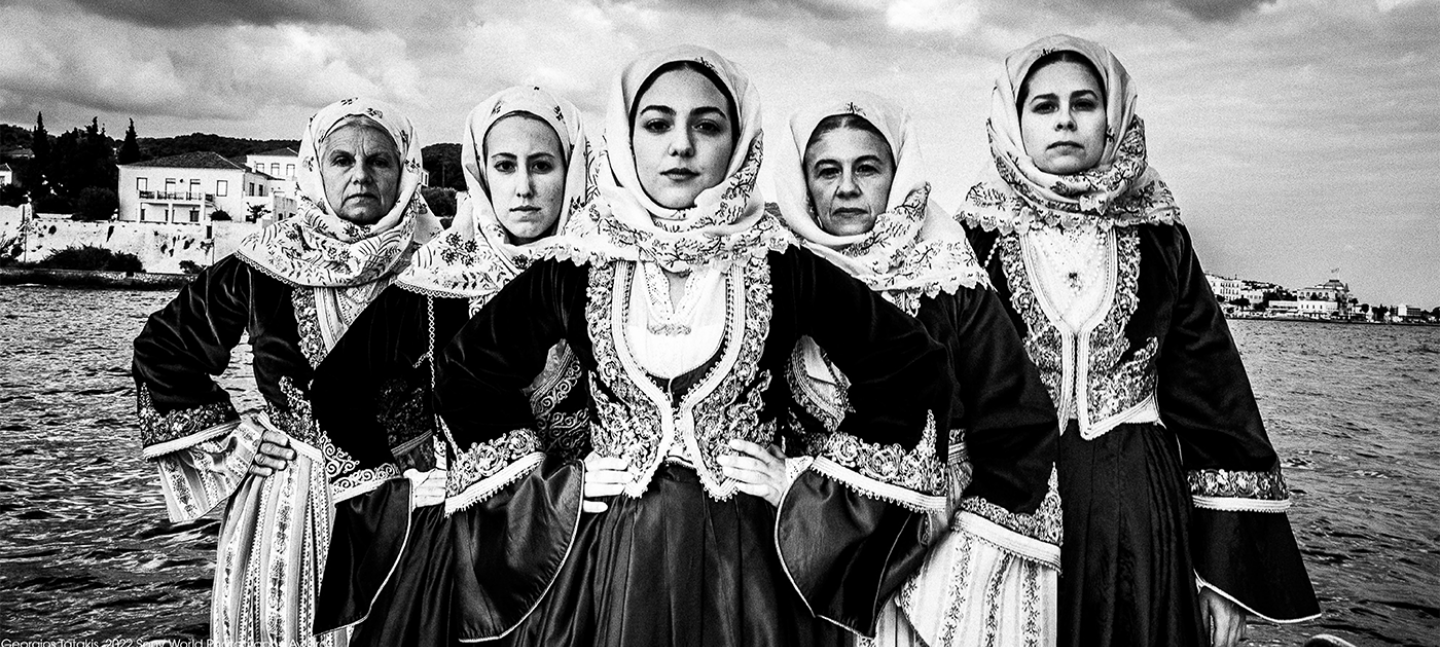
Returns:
(675, 567)
(1126, 574)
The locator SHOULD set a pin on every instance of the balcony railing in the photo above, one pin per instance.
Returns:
(178, 196)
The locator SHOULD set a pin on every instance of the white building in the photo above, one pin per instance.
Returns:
(191, 187)
(7, 175)
(1334, 290)
(1305, 308)
(279, 164)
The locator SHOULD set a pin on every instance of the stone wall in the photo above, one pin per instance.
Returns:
(160, 246)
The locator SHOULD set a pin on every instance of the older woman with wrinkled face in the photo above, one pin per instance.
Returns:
(294, 288)
(854, 192)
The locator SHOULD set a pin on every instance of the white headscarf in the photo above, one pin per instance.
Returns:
(316, 247)
(474, 259)
(728, 220)
(1121, 190)
(915, 248)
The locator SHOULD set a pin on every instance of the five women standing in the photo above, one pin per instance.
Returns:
(673, 329)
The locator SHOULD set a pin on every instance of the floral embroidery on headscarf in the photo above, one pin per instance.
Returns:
(1121, 190)
(474, 259)
(727, 221)
(914, 248)
(318, 248)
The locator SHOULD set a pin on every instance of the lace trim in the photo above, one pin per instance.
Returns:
(162, 433)
(307, 323)
(629, 423)
(1112, 386)
(1227, 484)
(1043, 342)
(827, 403)
(484, 460)
(733, 409)
(1116, 386)
(359, 481)
(1045, 524)
(917, 470)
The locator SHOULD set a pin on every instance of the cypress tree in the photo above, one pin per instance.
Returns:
(40, 147)
(130, 150)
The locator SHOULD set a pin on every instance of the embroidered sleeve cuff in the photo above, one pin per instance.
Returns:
(198, 478)
(1044, 525)
(913, 478)
(1236, 491)
(486, 467)
(163, 433)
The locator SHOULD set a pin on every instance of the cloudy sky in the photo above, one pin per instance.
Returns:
(1301, 137)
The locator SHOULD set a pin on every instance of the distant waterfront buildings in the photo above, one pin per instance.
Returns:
(7, 175)
(191, 187)
(1329, 300)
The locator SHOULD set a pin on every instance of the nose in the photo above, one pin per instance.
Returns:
(848, 187)
(1065, 120)
(681, 143)
(526, 186)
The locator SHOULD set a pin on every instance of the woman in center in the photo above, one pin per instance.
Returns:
(683, 300)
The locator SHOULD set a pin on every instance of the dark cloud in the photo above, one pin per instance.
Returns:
(192, 13)
(1219, 10)
(823, 9)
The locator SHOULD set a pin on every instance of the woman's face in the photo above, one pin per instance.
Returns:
(360, 168)
(525, 171)
(848, 172)
(683, 138)
(1062, 123)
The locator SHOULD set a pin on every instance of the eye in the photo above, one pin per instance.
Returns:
(542, 166)
(827, 172)
(340, 158)
(504, 166)
(709, 127)
(381, 161)
(868, 169)
(656, 126)
(1086, 104)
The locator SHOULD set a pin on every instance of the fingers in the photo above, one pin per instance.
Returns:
(756, 452)
(1207, 621)
(767, 492)
(597, 462)
(593, 506)
(275, 438)
(266, 464)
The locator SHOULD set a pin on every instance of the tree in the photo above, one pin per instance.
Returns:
(1378, 313)
(220, 214)
(1240, 302)
(96, 203)
(442, 162)
(40, 163)
(130, 150)
(257, 211)
(440, 199)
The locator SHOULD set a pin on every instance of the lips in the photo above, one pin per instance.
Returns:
(849, 212)
(362, 196)
(1065, 145)
(680, 174)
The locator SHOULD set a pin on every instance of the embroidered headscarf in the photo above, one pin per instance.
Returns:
(318, 248)
(728, 220)
(1121, 190)
(474, 258)
(915, 248)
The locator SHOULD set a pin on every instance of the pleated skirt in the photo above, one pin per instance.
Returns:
(675, 567)
(1126, 572)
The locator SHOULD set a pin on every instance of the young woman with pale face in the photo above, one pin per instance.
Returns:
(1062, 117)
(525, 174)
(360, 167)
(1159, 423)
(683, 135)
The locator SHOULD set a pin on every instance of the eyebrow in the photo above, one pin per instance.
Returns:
(671, 111)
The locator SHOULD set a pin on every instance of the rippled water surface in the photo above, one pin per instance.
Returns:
(86, 553)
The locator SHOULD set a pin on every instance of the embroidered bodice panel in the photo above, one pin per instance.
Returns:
(638, 420)
(1076, 305)
(668, 339)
